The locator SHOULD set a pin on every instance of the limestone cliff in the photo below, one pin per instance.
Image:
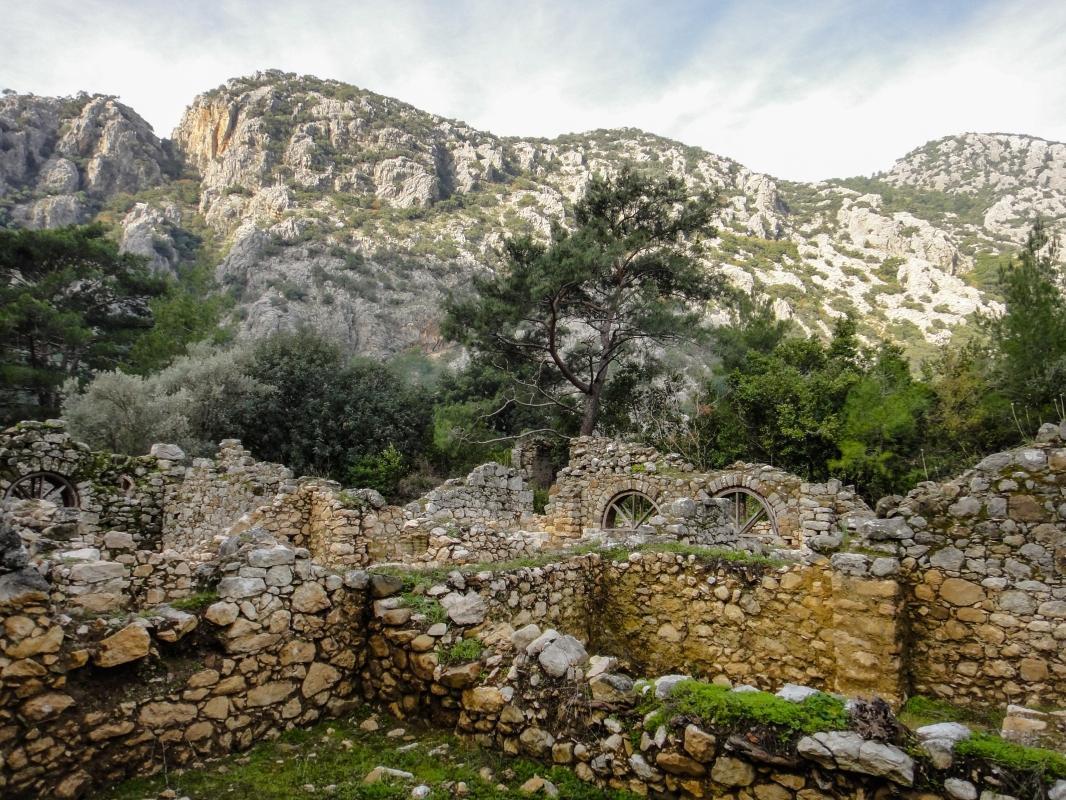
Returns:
(62, 158)
(355, 213)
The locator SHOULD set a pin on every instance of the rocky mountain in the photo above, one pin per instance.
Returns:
(320, 203)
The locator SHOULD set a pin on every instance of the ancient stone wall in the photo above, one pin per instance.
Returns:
(280, 648)
(749, 623)
(111, 491)
(215, 492)
(490, 493)
(986, 556)
(463, 521)
(602, 469)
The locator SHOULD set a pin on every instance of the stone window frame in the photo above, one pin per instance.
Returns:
(71, 496)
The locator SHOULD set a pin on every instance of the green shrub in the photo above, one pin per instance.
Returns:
(540, 500)
(433, 611)
(381, 471)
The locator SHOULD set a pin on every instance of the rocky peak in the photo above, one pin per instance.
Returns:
(61, 158)
(331, 206)
(973, 162)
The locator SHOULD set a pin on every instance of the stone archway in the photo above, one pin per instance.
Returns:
(43, 485)
(748, 510)
(627, 511)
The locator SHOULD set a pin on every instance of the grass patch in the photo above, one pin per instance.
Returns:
(338, 754)
(433, 611)
(703, 553)
(718, 708)
(195, 602)
(920, 710)
(1047, 763)
(462, 652)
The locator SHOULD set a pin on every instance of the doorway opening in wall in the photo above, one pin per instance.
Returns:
(49, 486)
(627, 511)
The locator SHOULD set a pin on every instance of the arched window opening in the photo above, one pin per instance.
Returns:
(627, 511)
(48, 486)
(748, 511)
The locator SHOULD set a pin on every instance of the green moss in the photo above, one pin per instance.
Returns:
(707, 554)
(462, 652)
(718, 708)
(338, 753)
(986, 747)
(920, 710)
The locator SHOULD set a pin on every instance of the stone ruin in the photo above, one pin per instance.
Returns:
(159, 609)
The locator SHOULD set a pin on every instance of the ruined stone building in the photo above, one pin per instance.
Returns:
(160, 605)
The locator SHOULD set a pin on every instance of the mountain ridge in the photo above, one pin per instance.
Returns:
(331, 206)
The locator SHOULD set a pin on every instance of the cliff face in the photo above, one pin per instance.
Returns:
(61, 159)
(355, 213)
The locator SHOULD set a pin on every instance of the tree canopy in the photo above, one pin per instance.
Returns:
(561, 317)
(70, 305)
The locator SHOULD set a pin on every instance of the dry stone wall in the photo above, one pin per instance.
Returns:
(215, 492)
(749, 623)
(956, 591)
(112, 491)
(84, 704)
(986, 555)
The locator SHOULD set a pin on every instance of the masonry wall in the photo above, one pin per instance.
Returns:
(214, 493)
(279, 649)
(986, 554)
(763, 626)
(600, 469)
(114, 491)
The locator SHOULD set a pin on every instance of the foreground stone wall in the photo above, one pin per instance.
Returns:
(77, 707)
(985, 555)
(956, 591)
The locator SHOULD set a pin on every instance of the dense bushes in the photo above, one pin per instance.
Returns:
(292, 398)
(860, 413)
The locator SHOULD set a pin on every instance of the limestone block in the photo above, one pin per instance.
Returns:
(129, 644)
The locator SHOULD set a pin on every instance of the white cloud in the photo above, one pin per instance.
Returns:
(802, 91)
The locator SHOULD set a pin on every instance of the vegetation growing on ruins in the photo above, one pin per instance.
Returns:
(1046, 763)
(720, 708)
(462, 652)
(566, 317)
(340, 754)
(70, 305)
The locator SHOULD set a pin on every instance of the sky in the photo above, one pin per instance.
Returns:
(800, 90)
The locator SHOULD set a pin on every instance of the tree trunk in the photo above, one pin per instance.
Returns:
(592, 412)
